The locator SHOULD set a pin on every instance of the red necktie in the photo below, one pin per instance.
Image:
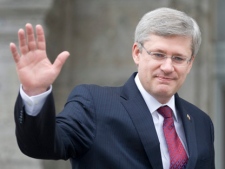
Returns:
(178, 156)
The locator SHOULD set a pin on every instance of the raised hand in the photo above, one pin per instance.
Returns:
(36, 73)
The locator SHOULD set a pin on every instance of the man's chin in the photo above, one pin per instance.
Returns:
(164, 93)
(163, 89)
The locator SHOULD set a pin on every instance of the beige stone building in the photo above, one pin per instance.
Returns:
(99, 36)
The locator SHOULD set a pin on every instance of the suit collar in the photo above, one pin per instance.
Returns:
(142, 119)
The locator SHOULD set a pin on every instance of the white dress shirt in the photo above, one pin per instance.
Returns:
(34, 104)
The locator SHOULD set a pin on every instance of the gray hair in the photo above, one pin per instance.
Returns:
(168, 22)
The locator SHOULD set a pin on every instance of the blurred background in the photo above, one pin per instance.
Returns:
(99, 36)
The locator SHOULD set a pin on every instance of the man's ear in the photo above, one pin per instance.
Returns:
(136, 53)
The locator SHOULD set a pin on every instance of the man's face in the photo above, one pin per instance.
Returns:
(162, 79)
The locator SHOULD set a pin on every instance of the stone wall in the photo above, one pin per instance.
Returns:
(99, 36)
(14, 14)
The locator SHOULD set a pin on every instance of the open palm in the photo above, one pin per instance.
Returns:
(36, 73)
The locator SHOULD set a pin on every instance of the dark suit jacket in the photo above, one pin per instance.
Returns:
(109, 128)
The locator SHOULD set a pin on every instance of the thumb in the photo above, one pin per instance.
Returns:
(60, 60)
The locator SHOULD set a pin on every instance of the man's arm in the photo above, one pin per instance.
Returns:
(70, 134)
(35, 134)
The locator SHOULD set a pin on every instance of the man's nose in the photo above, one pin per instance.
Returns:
(167, 65)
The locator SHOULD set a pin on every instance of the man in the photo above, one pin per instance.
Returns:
(143, 124)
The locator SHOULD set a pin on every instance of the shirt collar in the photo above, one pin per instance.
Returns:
(151, 102)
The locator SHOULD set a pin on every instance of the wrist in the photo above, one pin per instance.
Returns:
(34, 91)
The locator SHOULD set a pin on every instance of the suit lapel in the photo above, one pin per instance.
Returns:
(143, 122)
(189, 129)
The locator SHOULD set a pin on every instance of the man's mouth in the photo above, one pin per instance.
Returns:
(164, 79)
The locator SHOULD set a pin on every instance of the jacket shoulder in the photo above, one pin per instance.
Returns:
(193, 109)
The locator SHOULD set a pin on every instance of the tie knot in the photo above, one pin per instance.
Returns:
(165, 111)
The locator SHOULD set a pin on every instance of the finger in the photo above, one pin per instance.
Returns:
(31, 42)
(40, 38)
(60, 60)
(14, 52)
(22, 42)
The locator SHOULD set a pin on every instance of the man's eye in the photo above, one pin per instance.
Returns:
(178, 59)
(158, 55)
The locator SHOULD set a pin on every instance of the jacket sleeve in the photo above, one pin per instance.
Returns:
(33, 137)
(47, 136)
